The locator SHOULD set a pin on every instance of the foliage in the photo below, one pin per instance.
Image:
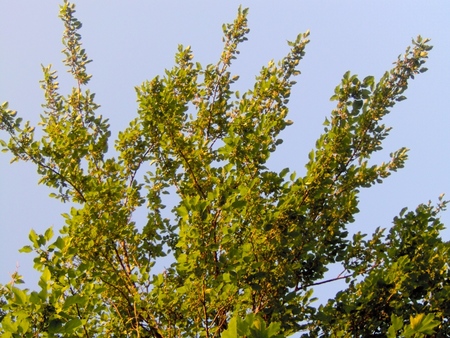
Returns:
(394, 297)
(248, 244)
(252, 326)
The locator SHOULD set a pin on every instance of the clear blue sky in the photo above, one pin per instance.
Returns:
(135, 40)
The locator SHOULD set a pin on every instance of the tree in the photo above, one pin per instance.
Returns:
(248, 244)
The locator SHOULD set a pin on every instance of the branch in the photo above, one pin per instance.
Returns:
(37, 162)
(341, 276)
(329, 280)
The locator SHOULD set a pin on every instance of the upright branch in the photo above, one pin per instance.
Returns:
(76, 57)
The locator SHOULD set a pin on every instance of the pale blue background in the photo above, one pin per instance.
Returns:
(131, 41)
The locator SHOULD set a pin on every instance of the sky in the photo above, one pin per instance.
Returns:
(133, 41)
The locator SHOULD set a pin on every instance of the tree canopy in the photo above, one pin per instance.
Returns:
(247, 244)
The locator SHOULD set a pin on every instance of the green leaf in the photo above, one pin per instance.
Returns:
(239, 204)
(21, 297)
(273, 329)
(8, 326)
(59, 243)
(284, 172)
(48, 234)
(182, 211)
(26, 249)
(416, 321)
(34, 238)
(55, 326)
(72, 325)
(75, 299)
(429, 324)
(46, 275)
(231, 331)
(396, 324)
(423, 324)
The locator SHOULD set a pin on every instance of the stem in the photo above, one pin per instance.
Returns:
(329, 280)
(205, 312)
